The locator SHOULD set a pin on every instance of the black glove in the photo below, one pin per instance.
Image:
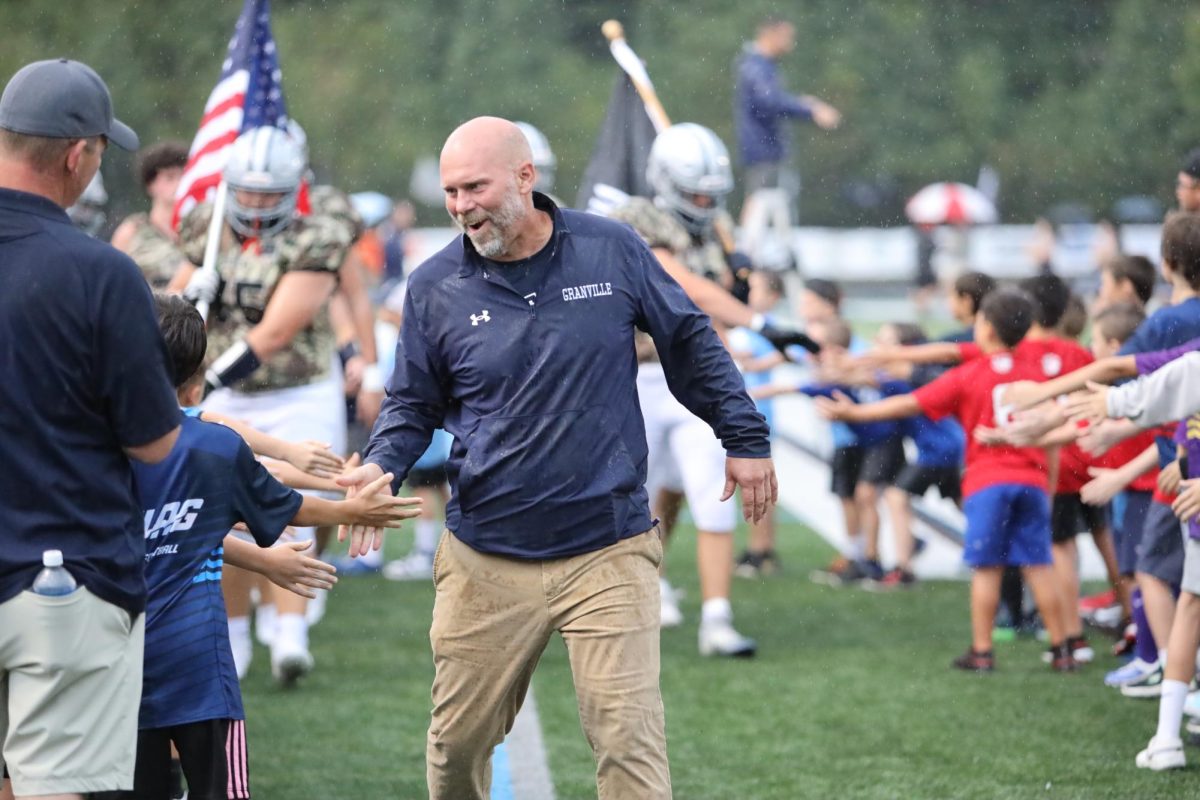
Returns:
(740, 268)
(783, 338)
(236, 363)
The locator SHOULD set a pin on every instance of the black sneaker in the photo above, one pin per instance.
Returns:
(895, 579)
(769, 563)
(860, 569)
(1061, 658)
(1127, 643)
(748, 565)
(974, 661)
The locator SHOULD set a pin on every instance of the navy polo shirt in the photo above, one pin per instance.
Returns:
(549, 455)
(84, 375)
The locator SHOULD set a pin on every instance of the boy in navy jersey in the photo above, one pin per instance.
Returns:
(210, 482)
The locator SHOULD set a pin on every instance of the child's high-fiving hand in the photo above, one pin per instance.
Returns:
(1187, 504)
(289, 568)
(839, 407)
(1088, 405)
(315, 458)
(1169, 478)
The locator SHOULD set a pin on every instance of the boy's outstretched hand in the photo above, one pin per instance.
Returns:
(315, 458)
(287, 567)
(1088, 405)
(1169, 478)
(1187, 504)
(1022, 395)
(839, 407)
(358, 482)
(1103, 487)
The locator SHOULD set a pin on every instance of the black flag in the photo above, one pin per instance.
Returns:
(618, 164)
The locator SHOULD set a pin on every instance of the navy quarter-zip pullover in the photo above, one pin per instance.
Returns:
(549, 455)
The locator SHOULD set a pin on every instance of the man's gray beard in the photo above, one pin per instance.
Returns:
(495, 243)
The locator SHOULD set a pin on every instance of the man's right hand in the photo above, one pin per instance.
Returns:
(362, 537)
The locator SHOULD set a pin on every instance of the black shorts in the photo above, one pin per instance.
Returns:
(882, 463)
(426, 478)
(916, 480)
(1069, 516)
(213, 756)
(844, 471)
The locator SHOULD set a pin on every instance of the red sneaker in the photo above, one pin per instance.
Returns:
(1096, 602)
(974, 661)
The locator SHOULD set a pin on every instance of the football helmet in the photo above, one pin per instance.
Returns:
(543, 157)
(687, 164)
(265, 160)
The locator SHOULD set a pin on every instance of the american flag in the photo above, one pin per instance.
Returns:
(248, 95)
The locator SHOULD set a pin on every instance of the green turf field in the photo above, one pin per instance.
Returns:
(850, 697)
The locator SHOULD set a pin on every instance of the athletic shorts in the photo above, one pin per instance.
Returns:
(683, 453)
(426, 478)
(1070, 516)
(212, 753)
(1191, 567)
(1129, 510)
(1160, 552)
(70, 686)
(883, 463)
(845, 470)
(1007, 525)
(917, 480)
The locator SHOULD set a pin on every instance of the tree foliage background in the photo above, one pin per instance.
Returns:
(1068, 101)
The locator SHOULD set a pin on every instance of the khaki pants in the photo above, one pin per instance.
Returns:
(70, 685)
(492, 619)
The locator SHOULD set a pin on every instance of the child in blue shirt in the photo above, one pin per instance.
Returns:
(209, 483)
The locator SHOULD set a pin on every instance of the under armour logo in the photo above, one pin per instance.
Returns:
(478, 318)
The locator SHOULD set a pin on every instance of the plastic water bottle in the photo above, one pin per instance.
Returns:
(53, 580)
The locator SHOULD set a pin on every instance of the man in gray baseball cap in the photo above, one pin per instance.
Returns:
(85, 373)
(56, 120)
(62, 99)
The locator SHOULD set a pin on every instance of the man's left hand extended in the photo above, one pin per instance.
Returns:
(756, 477)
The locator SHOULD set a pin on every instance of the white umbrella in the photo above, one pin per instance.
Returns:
(950, 204)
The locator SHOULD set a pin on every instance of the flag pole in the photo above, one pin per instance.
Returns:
(627, 59)
(212, 245)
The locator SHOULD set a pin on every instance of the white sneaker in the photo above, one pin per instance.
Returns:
(290, 662)
(243, 651)
(1161, 755)
(1191, 706)
(265, 625)
(1133, 671)
(668, 610)
(416, 566)
(314, 610)
(718, 638)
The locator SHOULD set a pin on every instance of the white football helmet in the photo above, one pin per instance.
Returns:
(88, 213)
(543, 157)
(689, 162)
(265, 160)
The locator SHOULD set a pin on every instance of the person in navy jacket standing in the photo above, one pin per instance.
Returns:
(518, 338)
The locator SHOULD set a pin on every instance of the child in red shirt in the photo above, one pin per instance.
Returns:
(1005, 488)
